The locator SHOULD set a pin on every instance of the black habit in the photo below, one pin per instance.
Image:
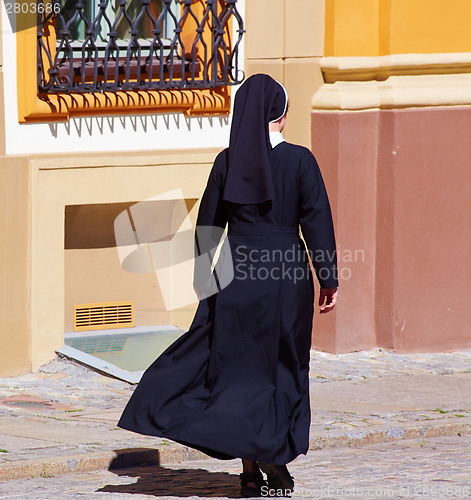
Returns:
(236, 384)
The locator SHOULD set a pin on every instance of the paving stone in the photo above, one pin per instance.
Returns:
(361, 398)
(419, 468)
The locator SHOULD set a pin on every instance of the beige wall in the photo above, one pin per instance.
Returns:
(35, 267)
(42, 280)
(92, 261)
(15, 290)
(2, 95)
(397, 180)
(285, 39)
(95, 276)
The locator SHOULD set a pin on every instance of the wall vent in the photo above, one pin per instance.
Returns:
(103, 315)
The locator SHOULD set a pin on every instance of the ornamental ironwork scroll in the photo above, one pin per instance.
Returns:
(119, 45)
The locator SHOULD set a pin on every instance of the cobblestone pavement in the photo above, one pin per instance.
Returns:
(377, 362)
(344, 373)
(419, 468)
(364, 396)
(80, 387)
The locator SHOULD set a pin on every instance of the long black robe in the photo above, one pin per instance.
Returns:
(236, 384)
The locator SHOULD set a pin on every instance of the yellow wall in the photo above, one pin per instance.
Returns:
(383, 27)
(351, 28)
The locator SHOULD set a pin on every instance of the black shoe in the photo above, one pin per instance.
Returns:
(278, 478)
(250, 491)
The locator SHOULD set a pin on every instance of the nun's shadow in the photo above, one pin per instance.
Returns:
(164, 482)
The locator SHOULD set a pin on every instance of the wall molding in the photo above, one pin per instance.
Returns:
(397, 81)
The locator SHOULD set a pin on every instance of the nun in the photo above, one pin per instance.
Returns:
(236, 385)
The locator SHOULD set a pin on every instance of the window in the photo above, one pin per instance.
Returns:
(91, 46)
(78, 19)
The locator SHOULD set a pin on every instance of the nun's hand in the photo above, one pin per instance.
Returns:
(327, 299)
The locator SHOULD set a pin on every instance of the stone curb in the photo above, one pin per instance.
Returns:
(48, 467)
(382, 434)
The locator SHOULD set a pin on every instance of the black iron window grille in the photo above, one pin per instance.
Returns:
(119, 45)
